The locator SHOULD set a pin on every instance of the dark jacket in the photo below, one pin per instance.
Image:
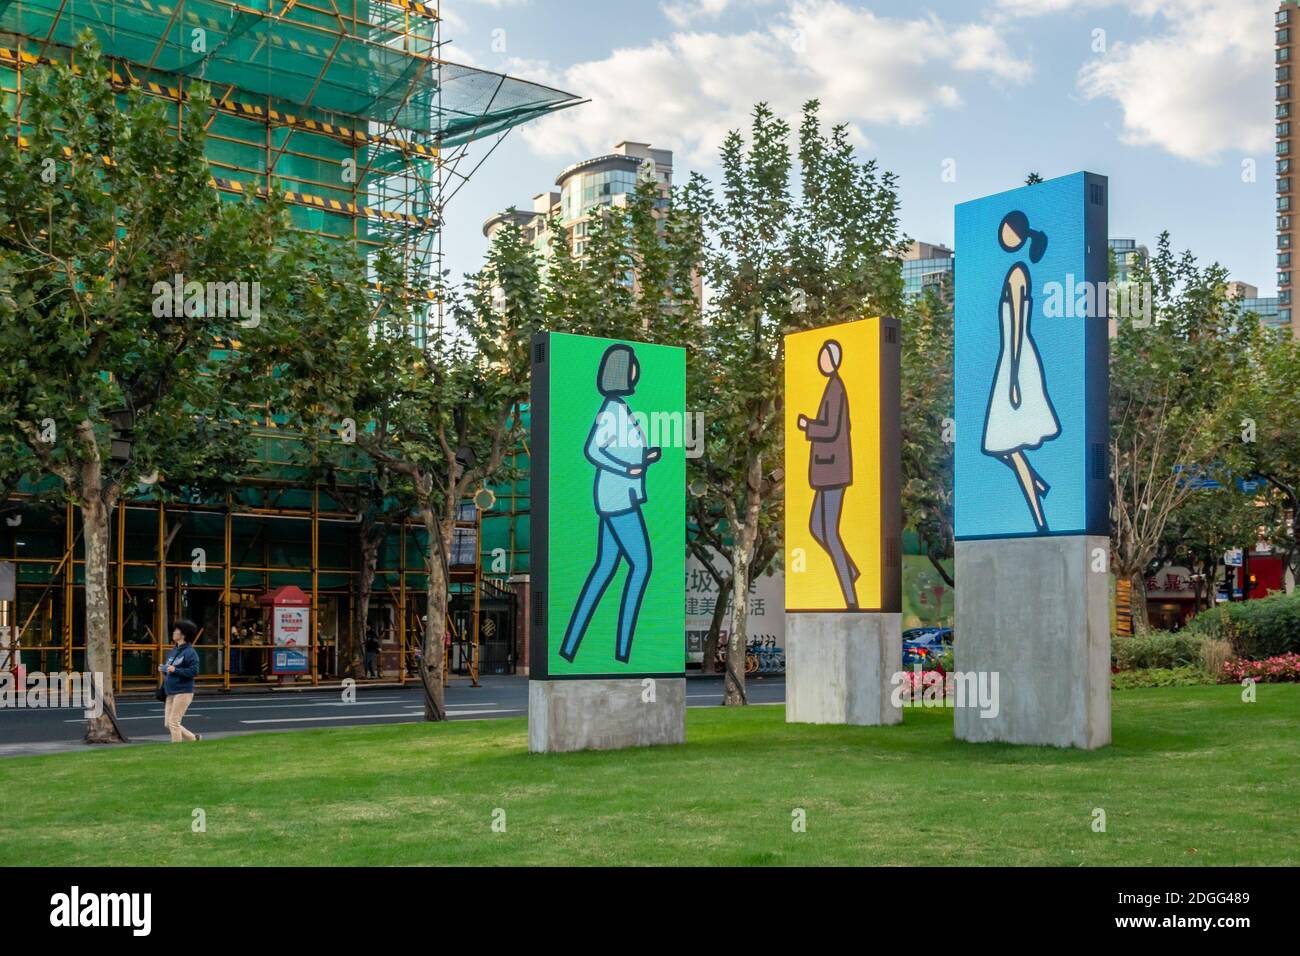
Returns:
(830, 463)
(186, 661)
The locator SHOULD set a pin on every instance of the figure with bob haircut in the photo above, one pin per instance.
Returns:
(616, 446)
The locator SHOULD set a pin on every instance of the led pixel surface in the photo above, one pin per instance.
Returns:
(842, 510)
(608, 443)
(1030, 361)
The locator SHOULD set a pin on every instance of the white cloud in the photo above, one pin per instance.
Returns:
(1038, 8)
(1201, 88)
(683, 13)
(687, 90)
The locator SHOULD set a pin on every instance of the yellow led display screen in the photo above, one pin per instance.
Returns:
(842, 508)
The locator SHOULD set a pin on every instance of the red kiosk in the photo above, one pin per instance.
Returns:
(290, 609)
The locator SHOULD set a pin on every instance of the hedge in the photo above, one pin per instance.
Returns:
(1156, 649)
(1267, 627)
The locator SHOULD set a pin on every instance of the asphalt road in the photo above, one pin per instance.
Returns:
(24, 731)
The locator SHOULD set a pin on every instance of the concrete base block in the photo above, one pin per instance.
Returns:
(1036, 613)
(604, 714)
(838, 667)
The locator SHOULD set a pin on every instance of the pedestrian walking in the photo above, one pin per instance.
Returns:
(179, 671)
(372, 652)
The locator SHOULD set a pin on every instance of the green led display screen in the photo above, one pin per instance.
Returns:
(608, 439)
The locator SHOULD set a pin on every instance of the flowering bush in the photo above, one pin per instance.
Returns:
(915, 684)
(1272, 670)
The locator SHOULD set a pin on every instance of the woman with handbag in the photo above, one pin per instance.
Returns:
(179, 670)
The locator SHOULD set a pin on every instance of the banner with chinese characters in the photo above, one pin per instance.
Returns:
(765, 620)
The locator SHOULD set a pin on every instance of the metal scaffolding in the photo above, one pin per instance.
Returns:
(348, 106)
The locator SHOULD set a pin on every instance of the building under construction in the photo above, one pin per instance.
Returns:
(348, 105)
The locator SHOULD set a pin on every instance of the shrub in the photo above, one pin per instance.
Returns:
(1215, 652)
(1160, 677)
(1257, 629)
(1274, 670)
(1156, 649)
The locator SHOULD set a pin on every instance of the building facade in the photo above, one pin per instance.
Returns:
(348, 106)
(583, 189)
(926, 266)
(1285, 86)
(1128, 257)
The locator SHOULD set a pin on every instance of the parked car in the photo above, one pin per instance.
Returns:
(922, 645)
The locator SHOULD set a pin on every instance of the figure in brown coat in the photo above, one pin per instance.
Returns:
(830, 468)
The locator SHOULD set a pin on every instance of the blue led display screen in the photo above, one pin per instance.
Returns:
(1030, 376)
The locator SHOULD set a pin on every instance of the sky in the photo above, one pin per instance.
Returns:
(1171, 99)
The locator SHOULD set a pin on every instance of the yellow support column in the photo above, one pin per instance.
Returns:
(315, 577)
(69, 578)
(225, 592)
(160, 589)
(121, 590)
(478, 587)
(401, 606)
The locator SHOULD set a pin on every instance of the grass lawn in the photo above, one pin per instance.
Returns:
(1194, 776)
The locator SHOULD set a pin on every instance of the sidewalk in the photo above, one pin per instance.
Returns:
(334, 684)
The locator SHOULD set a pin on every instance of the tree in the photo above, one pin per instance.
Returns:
(637, 274)
(1208, 524)
(1270, 435)
(777, 262)
(1176, 387)
(1033, 179)
(101, 208)
(927, 426)
(442, 414)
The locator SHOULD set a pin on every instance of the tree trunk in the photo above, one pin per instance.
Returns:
(435, 627)
(95, 516)
(737, 640)
(715, 628)
(938, 566)
(742, 556)
(355, 648)
(1138, 603)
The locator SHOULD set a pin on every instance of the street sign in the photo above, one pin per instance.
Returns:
(1232, 558)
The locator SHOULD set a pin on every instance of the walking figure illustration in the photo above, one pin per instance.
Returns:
(1020, 416)
(830, 468)
(617, 447)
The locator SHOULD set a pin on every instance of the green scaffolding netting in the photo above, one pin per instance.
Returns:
(350, 65)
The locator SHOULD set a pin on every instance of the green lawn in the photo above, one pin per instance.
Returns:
(1194, 776)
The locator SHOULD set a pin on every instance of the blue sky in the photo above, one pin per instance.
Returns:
(1172, 99)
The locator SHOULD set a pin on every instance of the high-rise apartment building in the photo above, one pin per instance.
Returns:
(1128, 257)
(1284, 38)
(926, 266)
(1266, 308)
(587, 186)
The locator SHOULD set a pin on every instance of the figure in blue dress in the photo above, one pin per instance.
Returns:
(1020, 416)
(617, 447)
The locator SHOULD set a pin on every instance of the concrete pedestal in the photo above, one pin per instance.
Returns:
(605, 714)
(839, 665)
(1035, 612)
